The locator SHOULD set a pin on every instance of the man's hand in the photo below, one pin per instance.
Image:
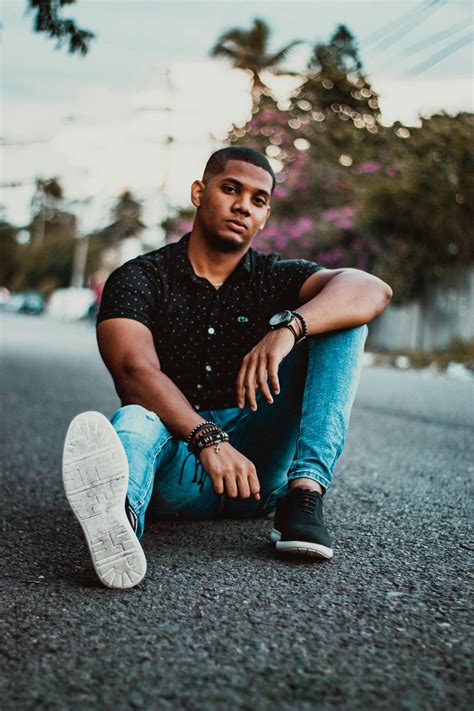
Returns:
(231, 473)
(261, 364)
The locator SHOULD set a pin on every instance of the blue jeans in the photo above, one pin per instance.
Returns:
(300, 435)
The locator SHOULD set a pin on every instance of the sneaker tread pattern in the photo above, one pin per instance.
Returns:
(95, 476)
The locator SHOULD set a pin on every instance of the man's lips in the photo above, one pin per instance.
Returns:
(236, 226)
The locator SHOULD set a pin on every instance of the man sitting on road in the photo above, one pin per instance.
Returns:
(236, 371)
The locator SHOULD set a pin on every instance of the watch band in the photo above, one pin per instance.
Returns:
(303, 323)
(293, 331)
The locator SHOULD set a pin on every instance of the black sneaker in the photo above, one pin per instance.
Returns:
(299, 526)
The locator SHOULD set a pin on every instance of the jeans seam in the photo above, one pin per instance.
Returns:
(303, 405)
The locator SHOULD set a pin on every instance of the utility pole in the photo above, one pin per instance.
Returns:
(81, 248)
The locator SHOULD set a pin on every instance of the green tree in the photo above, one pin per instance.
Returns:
(395, 201)
(10, 253)
(49, 21)
(48, 216)
(249, 50)
(47, 265)
(423, 217)
(126, 214)
(46, 261)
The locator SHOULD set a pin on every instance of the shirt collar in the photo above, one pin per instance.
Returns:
(243, 267)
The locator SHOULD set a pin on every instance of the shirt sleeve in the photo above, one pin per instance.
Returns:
(131, 291)
(288, 276)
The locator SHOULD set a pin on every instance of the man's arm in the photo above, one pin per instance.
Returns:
(331, 299)
(341, 298)
(128, 351)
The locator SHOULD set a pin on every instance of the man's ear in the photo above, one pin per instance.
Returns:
(197, 189)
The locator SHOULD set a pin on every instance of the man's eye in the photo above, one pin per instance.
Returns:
(229, 188)
(260, 203)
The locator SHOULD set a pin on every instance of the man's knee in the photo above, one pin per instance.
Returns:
(350, 337)
(137, 419)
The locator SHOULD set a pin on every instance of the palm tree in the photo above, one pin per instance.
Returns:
(248, 49)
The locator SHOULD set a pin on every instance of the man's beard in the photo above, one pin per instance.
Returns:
(223, 244)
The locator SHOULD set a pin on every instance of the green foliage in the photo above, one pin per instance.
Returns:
(10, 253)
(126, 214)
(48, 20)
(351, 192)
(249, 50)
(46, 262)
(423, 216)
(46, 265)
(48, 216)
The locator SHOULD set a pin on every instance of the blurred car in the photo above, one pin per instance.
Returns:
(71, 304)
(26, 302)
(4, 296)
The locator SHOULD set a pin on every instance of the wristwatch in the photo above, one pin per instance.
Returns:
(286, 319)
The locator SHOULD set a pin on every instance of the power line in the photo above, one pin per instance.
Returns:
(394, 24)
(438, 37)
(408, 26)
(439, 56)
(433, 39)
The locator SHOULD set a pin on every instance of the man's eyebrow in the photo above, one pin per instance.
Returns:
(259, 191)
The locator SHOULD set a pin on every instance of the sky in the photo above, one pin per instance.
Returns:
(101, 123)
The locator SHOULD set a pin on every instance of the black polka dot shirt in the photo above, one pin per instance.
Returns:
(202, 333)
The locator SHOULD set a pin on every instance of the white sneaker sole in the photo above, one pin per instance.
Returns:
(95, 477)
(312, 550)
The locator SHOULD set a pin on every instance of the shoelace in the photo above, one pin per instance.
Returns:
(202, 478)
(308, 501)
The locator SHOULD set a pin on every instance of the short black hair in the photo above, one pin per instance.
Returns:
(218, 161)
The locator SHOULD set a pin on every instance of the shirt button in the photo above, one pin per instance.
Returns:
(211, 330)
(208, 368)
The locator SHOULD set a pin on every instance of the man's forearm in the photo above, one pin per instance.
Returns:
(152, 389)
(346, 301)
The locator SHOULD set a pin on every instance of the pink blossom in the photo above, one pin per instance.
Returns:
(332, 257)
(339, 213)
(345, 223)
(280, 192)
(370, 166)
(183, 226)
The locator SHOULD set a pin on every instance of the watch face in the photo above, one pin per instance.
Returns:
(281, 319)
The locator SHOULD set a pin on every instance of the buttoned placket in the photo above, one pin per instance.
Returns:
(212, 330)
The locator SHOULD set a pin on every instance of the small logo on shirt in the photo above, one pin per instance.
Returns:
(242, 319)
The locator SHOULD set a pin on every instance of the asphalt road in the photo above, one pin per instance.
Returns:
(220, 621)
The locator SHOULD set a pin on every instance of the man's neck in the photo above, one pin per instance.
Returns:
(209, 263)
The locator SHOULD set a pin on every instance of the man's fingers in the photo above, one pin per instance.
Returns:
(240, 388)
(273, 374)
(218, 485)
(231, 486)
(250, 384)
(254, 485)
(244, 489)
(262, 381)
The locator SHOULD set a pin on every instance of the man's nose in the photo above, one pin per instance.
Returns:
(242, 204)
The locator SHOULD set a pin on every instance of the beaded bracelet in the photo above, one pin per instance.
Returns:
(214, 439)
(196, 429)
(300, 318)
(204, 431)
